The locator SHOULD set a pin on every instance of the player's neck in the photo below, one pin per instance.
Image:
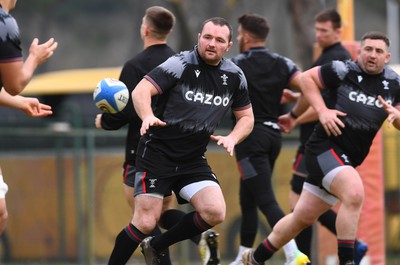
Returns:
(151, 42)
(256, 44)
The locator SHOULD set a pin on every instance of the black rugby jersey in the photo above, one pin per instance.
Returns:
(132, 72)
(334, 52)
(267, 74)
(357, 95)
(10, 44)
(198, 97)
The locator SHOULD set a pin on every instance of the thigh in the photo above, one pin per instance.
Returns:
(168, 203)
(309, 207)
(258, 180)
(129, 196)
(147, 209)
(209, 197)
(346, 183)
(322, 162)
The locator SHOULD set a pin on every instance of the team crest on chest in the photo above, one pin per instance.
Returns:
(385, 84)
(224, 78)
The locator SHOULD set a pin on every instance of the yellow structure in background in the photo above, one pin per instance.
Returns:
(346, 10)
(74, 81)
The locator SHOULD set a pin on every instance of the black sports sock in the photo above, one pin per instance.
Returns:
(328, 219)
(190, 225)
(171, 217)
(346, 251)
(126, 243)
(303, 241)
(264, 251)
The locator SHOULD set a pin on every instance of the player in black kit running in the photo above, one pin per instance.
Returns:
(267, 75)
(200, 87)
(157, 24)
(363, 95)
(328, 28)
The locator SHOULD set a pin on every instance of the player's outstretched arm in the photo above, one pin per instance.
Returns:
(16, 75)
(141, 98)
(30, 106)
(244, 126)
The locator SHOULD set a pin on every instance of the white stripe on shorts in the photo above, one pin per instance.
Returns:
(320, 193)
(190, 190)
(326, 183)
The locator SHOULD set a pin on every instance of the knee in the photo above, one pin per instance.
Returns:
(144, 222)
(213, 215)
(306, 221)
(304, 218)
(354, 199)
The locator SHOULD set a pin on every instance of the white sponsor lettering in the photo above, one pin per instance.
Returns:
(366, 100)
(207, 99)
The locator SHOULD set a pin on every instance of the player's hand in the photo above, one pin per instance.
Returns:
(97, 121)
(150, 121)
(286, 123)
(32, 107)
(42, 52)
(392, 112)
(289, 96)
(331, 122)
(226, 141)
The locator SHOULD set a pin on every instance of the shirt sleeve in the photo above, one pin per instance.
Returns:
(331, 74)
(166, 75)
(10, 44)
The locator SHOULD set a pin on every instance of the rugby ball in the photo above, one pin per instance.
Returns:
(111, 95)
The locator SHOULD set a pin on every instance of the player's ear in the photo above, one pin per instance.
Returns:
(147, 30)
(387, 57)
(229, 45)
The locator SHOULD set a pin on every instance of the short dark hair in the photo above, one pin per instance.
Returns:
(255, 24)
(160, 20)
(220, 22)
(376, 35)
(330, 14)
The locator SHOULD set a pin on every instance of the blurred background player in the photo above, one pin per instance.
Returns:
(267, 74)
(157, 24)
(15, 74)
(328, 29)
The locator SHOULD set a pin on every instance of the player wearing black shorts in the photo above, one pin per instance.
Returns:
(267, 74)
(200, 87)
(157, 24)
(156, 52)
(362, 95)
(327, 32)
(15, 74)
(156, 27)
